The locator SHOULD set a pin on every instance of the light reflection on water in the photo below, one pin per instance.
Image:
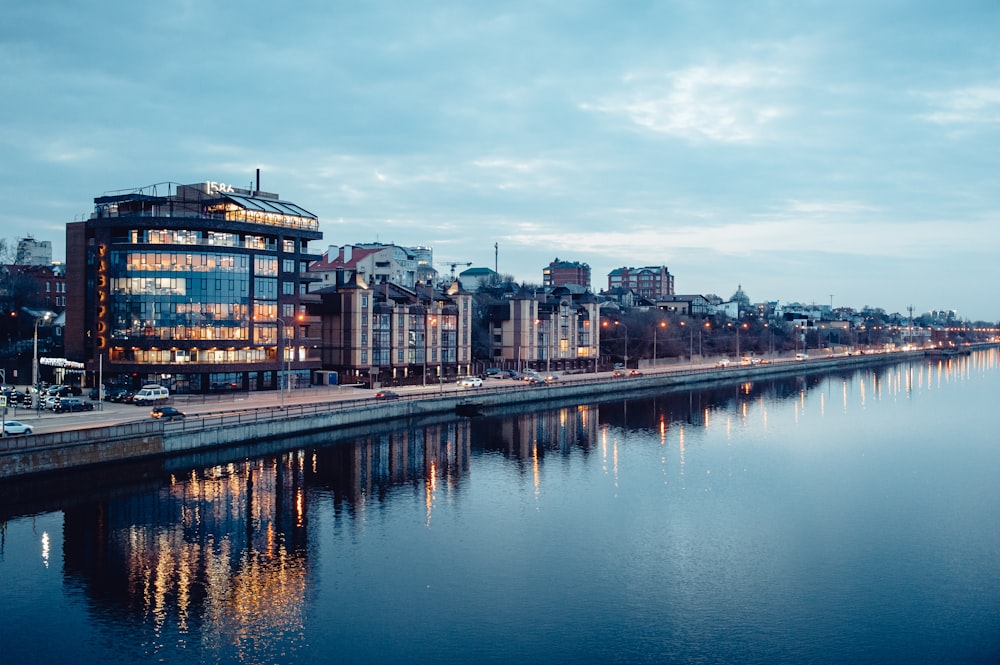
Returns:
(847, 518)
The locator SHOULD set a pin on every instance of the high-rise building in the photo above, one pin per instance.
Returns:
(197, 287)
(31, 252)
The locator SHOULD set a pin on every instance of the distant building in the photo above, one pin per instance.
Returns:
(559, 273)
(695, 306)
(31, 252)
(472, 278)
(374, 263)
(36, 287)
(650, 282)
(197, 287)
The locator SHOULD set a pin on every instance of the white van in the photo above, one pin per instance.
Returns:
(801, 356)
(150, 394)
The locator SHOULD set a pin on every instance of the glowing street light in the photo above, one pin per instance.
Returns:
(619, 323)
(662, 324)
(34, 363)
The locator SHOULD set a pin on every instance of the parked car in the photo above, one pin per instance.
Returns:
(48, 402)
(72, 404)
(470, 382)
(150, 394)
(166, 413)
(12, 427)
(386, 394)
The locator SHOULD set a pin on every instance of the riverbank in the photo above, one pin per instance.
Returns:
(235, 424)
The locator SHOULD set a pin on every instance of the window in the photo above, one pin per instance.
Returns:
(288, 288)
(288, 265)
(288, 245)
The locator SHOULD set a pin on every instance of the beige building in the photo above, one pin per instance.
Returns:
(383, 334)
(554, 330)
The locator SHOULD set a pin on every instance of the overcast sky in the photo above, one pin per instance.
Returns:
(818, 152)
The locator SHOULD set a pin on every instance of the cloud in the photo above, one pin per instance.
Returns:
(973, 105)
(732, 104)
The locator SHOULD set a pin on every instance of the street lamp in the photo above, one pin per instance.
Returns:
(34, 364)
(662, 324)
(281, 360)
(619, 323)
(428, 322)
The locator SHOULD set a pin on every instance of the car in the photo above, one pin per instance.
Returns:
(470, 382)
(386, 394)
(150, 394)
(114, 394)
(12, 427)
(634, 372)
(48, 402)
(801, 356)
(535, 381)
(617, 373)
(551, 378)
(166, 413)
(72, 404)
(723, 363)
(495, 373)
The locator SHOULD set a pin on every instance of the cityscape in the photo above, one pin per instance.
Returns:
(208, 288)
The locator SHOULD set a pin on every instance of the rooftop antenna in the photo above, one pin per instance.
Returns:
(496, 258)
(257, 191)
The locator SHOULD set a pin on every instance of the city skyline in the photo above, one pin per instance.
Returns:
(832, 153)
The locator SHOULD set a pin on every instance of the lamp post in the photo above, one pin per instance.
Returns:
(662, 324)
(619, 323)
(34, 363)
(428, 322)
(281, 360)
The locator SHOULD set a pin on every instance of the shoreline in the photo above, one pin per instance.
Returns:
(252, 419)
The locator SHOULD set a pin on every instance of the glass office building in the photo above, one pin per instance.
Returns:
(199, 287)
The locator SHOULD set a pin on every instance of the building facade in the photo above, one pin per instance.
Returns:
(386, 334)
(555, 330)
(199, 288)
(650, 282)
(560, 273)
(375, 263)
(31, 252)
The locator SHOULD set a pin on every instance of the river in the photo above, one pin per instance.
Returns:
(845, 518)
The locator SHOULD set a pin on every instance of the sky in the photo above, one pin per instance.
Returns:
(840, 153)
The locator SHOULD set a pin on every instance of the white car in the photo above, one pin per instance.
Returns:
(12, 427)
(470, 382)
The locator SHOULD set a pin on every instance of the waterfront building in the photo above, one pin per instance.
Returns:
(648, 282)
(384, 333)
(198, 287)
(553, 330)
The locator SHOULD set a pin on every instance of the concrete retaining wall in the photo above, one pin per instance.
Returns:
(60, 451)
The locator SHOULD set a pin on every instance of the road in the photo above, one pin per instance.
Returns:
(111, 413)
